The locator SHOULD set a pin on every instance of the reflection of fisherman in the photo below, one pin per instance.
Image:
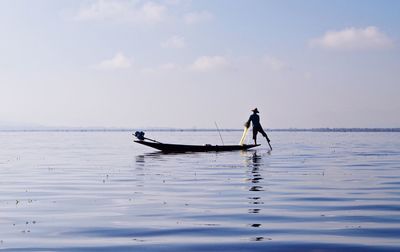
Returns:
(255, 120)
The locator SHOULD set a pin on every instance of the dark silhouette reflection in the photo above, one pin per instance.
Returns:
(257, 238)
(255, 200)
(140, 159)
(255, 177)
(255, 164)
(140, 162)
(151, 156)
(256, 188)
(140, 170)
(254, 210)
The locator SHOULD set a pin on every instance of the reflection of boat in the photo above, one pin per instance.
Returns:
(194, 148)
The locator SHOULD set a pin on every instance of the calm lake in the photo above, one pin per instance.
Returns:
(100, 191)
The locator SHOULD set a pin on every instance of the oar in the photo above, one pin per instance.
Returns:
(268, 142)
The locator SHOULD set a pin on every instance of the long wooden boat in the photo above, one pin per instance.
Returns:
(194, 148)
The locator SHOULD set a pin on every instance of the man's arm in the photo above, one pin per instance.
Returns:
(247, 124)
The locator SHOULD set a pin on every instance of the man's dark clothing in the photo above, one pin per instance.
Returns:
(255, 120)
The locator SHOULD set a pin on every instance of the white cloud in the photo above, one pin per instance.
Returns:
(274, 64)
(210, 63)
(197, 17)
(119, 61)
(122, 11)
(353, 39)
(152, 12)
(100, 10)
(174, 42)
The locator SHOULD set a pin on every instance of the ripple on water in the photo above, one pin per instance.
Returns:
(101, 192)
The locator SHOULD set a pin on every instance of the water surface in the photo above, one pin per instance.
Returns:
(99, 191)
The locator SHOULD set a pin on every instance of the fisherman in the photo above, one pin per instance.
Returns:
(255, 119)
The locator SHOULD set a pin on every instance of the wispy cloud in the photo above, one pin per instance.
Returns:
(274, 63)
(353, 39)
(119, 61)
(210, 63)
(122, 11)
(174, 42)
(198, 17)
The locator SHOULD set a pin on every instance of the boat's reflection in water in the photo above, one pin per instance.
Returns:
(255, 165)
(252, 163)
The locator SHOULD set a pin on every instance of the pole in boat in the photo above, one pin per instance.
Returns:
(219, 133)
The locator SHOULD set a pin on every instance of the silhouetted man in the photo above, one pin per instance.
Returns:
(255, 120)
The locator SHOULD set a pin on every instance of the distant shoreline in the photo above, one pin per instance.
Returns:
(397, 130)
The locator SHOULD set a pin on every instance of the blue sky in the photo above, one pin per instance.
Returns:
(177, 63)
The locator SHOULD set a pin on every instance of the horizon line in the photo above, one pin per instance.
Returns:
(124, 129)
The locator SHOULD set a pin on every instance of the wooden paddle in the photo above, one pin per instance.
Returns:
(269, 143)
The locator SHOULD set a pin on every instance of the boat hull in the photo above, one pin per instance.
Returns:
(195, 148)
